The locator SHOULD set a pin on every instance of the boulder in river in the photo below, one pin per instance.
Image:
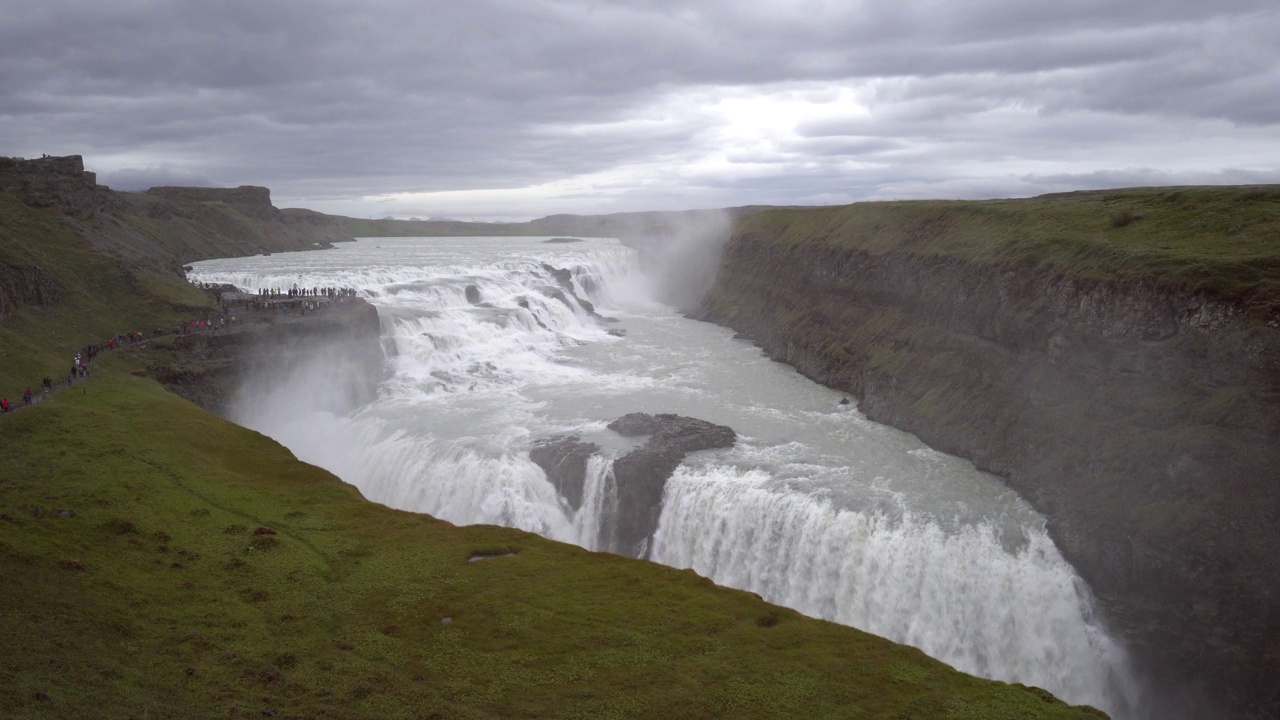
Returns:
(564, 460)
(641, 475)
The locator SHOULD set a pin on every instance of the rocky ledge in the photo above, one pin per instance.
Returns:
(213, 369)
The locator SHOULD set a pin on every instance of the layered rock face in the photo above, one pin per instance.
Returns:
(60, 184)
(213, 370)
(248, 195)
(26, 285)
(1143, 422)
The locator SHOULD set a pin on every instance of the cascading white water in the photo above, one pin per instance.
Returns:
(816, 508)
(960, 595)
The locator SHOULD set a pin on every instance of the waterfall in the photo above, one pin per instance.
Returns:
(493, 348)
(961, 596)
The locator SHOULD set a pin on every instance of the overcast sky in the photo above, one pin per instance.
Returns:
(511, 109)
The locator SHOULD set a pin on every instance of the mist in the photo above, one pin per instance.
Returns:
(292, 376)
(682, 257)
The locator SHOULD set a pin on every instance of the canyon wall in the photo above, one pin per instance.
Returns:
(1142, 418)
(339, 345)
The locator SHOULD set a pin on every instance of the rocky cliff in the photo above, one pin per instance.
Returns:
(60, 184)
(341, 345)
(1139, 411)
(166, 227)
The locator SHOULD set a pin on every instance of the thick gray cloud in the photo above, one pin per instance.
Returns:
(494, 108)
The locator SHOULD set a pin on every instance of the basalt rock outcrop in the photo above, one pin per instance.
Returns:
(567, 291)
(641, 475)
(1142, 419)
(338, 350)
(564, 460)
(26, 285)
(167, 227)
(245, 196)
(60, 184)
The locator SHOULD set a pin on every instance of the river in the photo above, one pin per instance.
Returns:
(816, 507)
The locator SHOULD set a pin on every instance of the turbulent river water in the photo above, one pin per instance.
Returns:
(816, 507)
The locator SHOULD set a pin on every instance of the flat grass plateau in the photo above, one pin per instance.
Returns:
(157, 561)
(1222, 240)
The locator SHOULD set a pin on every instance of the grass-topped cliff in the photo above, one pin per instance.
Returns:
(157, 561)
(1115, 355)
(1223, 240)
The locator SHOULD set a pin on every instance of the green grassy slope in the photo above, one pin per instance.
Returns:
(206, 573)
(201, 571)
(100, 296)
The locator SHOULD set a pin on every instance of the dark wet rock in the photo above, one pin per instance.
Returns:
(556, 294)
(641, 475)
(635, 424)
(564, 460)
(523, 302)
(565, 278)
(844, 401)
(562, 276)
(617, 332)
(560, 240)
(473, 294)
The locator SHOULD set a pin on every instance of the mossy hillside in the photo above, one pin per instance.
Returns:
(1225, 240)
(208, 573)
(99, 296)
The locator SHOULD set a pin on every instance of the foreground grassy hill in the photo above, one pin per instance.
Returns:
(202, 571)
(157, 561)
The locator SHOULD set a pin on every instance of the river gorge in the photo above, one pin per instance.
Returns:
(495, 346)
